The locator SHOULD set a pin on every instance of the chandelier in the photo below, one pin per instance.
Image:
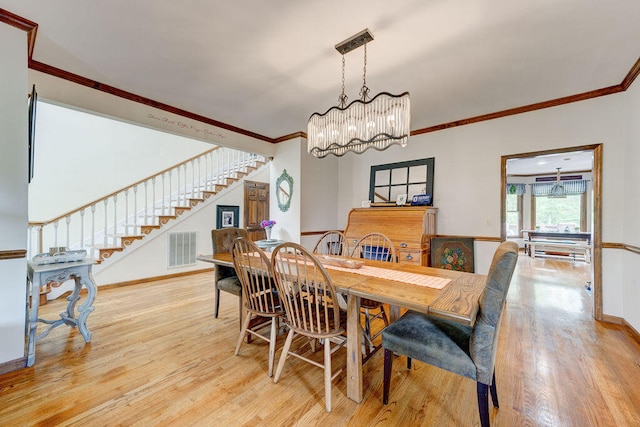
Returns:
(365, 123)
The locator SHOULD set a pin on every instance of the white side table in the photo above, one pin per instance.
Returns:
(40, 275)
(268, 245)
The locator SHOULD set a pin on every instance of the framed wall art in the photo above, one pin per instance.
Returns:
(227, 216)
(452, 253)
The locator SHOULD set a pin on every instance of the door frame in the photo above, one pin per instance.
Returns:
(596, 257)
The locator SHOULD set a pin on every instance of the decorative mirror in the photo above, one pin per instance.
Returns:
(390, 182)
(284, 189)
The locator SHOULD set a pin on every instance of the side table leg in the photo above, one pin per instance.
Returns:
(87, 307)
(33, 319)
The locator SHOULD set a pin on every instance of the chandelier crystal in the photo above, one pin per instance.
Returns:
(377, 123)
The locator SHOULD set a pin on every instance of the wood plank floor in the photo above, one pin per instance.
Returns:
(158, 357)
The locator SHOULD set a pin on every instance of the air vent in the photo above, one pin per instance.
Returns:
(182, 249)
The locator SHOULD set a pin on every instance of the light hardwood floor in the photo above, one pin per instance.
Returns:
(158, 357)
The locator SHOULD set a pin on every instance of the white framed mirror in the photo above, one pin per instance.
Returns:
(284, 190)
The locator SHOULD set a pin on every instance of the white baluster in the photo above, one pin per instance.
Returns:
(183, 190)
(146, 202)
(67, 220)
(115, 219)
(106, 214)
(153, 201)
(126, 212)
(55, 234)
(163, 207)
(207, 176)
(171, 191)
(218, 166)
(179, 194)
(135, 209)
(193, 180)
(81, 229)
(93, 231)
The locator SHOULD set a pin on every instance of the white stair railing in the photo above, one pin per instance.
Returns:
(126, 212)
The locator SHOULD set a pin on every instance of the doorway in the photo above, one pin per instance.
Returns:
(596, 212)
(256, 208)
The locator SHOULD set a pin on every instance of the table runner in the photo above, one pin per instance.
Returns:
(398, 276)
(388, 274)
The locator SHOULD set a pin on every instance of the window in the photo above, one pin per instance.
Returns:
(514, 215)
(560, 214)
(390, 180)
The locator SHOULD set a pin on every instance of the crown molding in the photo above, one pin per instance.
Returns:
(32, 27)
(23, 24)
(93, 84)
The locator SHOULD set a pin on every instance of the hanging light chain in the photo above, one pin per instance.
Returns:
(364, 92)
(342, 99)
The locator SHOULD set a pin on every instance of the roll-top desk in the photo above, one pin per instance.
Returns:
(410, 229)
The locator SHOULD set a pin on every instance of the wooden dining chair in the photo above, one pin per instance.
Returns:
(469, 351)
(259, 293)
(310, 302)
(332, 243)
(225, 278)
(374, 246)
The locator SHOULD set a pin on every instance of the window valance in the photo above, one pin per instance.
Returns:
(516, 188)
(570, 187)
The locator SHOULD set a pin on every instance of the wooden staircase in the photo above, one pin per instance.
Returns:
(223, 168)
(126, 240)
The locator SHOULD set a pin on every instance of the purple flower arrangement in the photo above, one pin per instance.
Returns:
(267, 223)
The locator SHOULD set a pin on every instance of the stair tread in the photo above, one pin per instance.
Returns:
(108, 248)
(176, 208)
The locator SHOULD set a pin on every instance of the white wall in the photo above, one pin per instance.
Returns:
(320, 184)
(287, 223)
(631, 288)
(467, 171)
(13, 189)
(81, 157)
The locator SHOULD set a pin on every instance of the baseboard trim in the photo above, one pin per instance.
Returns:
(13, 365)
(153, 279)
(631, 330)
(140, 281)
(612, 319)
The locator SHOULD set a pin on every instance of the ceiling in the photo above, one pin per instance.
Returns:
(266, 66)
(577, 161)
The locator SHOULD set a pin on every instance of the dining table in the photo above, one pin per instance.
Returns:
(438, 292)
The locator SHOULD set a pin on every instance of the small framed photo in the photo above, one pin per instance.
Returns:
(401, 200)
(365, 204)
(227, 216)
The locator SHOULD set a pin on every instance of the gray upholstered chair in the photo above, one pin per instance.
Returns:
(225, 278)
(469, 351)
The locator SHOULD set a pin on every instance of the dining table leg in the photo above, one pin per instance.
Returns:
(394, 313)
(354, 352)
